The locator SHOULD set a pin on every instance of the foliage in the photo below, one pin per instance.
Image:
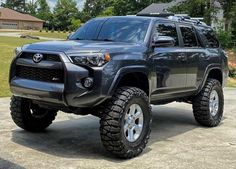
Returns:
(229, 7)
(18, 5)
(234, 50)
(94, 7)
(197, 8)
(232, 72)
(64, 12)
(225, 38)
(31, 7)
(43, 10)
(107, 12)
(75, 24)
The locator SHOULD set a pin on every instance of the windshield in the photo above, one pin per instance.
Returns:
(131, 30)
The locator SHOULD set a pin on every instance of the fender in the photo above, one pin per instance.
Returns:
(207, 71)
(124, 71)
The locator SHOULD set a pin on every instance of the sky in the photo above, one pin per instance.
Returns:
(52, 3)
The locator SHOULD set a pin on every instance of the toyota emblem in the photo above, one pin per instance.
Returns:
(38, 57)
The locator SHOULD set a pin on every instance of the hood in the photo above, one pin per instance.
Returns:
(72, 46)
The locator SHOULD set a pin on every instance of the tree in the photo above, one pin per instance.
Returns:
(43, 11)
(197, 8)
(75, 24)
(107, 12)
(94, 7)
(31, 7)
(18, 5)
(229, 7)
(64, 12)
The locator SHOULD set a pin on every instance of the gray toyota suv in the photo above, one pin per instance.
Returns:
(114, 68)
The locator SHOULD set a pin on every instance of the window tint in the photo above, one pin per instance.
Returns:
(189, 37)
(131, 30)
(89, 30)
(168, 29)
(208, 37)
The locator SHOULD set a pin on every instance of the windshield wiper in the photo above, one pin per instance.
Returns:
(106, 39)
(79, 39)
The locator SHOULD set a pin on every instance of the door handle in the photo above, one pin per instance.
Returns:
(182, 57)
(204, 56)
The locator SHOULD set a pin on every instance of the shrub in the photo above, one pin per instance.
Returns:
(234, 50)
(232, 72)
(225, 38)
(40, 30)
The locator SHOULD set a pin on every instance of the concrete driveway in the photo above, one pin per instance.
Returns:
(18, 34)
(177, 141)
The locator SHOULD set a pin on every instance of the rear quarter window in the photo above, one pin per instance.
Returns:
(208, 37)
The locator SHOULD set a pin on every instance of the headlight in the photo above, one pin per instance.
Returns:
(18, 50)
(91, 59)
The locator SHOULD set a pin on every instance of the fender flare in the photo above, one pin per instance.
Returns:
(124, 71)
(206, 74)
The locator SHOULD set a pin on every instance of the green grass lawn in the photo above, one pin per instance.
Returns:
(231, 83)
(7, 46)
(49, 34)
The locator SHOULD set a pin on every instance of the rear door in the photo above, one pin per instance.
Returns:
(168, 63)
(194, 53)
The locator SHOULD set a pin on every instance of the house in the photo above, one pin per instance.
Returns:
(10, 19)
(162, 10)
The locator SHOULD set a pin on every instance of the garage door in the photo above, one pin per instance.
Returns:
(9, 25)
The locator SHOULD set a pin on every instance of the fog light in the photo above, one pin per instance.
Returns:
(88, 82)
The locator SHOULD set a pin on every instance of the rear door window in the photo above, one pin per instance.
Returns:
(189, 36)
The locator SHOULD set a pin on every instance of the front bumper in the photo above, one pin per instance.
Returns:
(70, 93)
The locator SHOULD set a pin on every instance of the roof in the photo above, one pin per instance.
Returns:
(9, 14)
(160, 7)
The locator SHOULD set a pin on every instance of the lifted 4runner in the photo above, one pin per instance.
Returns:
(114, 68)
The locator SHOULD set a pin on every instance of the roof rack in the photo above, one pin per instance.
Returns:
(187, 19)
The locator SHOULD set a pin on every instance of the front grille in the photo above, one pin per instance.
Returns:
(45, 75)
(47, 57)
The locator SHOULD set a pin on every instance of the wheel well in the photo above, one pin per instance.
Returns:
(138, 80)
(216, 74)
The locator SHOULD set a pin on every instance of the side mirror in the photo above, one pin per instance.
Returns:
(69, 35)
(163, 41)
